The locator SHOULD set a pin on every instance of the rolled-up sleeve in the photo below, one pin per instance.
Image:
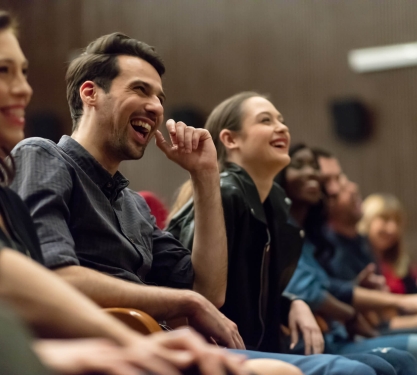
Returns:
(342, 290)
(306, 285)
(44, 183)
(171, 264)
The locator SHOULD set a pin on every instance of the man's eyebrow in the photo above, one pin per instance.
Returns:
(136, 82)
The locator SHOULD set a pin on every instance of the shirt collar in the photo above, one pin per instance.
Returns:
(100, 176)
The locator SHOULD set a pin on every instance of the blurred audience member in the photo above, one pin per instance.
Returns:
(337, 301)
(383, 223)
(157, 208)
(352, 258)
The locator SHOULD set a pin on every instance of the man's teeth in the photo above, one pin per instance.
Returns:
(312, 183)
(141, 124)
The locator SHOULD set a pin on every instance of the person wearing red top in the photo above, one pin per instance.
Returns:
(157, 207)
(383, 222)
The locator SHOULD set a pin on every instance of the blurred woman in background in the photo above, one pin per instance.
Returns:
(383, 223)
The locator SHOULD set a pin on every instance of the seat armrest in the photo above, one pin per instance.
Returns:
(135, 319)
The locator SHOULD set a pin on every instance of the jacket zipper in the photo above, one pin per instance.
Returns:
(266, 250)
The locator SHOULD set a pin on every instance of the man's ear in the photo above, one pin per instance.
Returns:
(228, 138)
(88, 93)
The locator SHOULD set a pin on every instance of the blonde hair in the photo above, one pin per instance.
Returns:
(184, 194)
(377, 205)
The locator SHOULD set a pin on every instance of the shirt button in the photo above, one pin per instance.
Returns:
(252, 211)
(302, 233)
(287, 200)
(109, 185)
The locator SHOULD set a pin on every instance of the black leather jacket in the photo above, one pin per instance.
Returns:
(263, 254)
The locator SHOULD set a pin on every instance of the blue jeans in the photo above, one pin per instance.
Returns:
(380, 365)
(319, 364)
(402, 362)
(402, 342)
(397, 350)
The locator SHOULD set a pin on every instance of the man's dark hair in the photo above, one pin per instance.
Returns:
(99, 63)
(322, 153)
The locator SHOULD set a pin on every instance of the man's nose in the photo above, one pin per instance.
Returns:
(332, 187)
(155, 106)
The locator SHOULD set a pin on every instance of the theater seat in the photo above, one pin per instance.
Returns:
(135, 319)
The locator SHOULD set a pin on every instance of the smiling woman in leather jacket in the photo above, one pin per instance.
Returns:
(252, 145)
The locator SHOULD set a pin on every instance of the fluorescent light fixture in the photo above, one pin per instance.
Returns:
(383, 58)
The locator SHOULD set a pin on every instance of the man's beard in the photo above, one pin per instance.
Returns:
(125, 150)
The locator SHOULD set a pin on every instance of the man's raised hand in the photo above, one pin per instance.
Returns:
(193, 149)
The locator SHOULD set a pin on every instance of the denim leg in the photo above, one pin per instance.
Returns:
(319, 364)
(380, 365)
(403, 362)
(402, 342)
(383, 347)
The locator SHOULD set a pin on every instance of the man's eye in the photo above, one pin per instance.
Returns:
(25, 72)
(266, 120)
(297, 165)
(4, 69)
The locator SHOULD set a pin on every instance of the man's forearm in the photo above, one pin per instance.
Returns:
(209, 255)
(368, 299)
(159, 302)
(107, 291)
(332, 308)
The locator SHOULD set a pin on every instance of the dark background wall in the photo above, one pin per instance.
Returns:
(294, 50)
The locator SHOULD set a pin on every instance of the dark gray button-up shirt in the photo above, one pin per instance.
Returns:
(84, 216)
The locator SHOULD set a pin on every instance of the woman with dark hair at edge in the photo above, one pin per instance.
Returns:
(301, 181)
(54, 309)
(252, 147)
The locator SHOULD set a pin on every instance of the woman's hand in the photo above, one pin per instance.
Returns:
(302, 319)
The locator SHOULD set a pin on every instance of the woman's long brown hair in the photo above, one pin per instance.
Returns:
(7, 166)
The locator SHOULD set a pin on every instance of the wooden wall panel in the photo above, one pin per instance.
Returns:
(295, 50)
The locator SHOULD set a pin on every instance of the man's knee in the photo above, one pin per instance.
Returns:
(334, 365)
(344, 366)
(272, 367)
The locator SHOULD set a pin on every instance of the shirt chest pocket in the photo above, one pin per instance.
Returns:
(134, 226)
